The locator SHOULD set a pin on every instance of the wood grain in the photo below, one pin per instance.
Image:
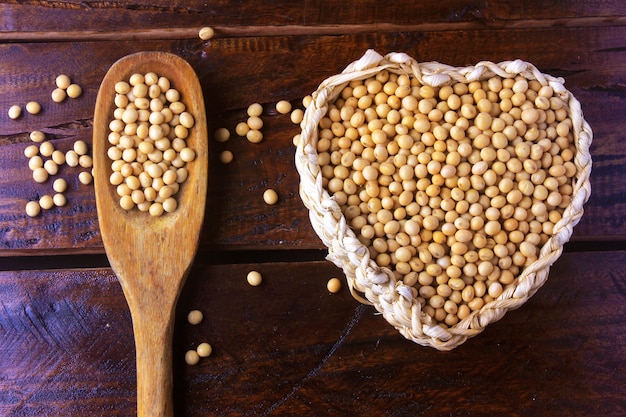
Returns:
(230, 70)
(43, 17)
(288, 347)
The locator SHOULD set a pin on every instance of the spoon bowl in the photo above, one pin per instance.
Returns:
(152, 255)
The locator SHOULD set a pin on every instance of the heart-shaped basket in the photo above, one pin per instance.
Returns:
(399, 303)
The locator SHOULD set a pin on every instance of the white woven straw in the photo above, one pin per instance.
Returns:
(370, 283)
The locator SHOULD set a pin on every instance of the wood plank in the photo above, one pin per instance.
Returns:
(287, 347)
(236, 72)
(42, 19)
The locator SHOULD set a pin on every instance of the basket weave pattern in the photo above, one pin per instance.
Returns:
(370, 283)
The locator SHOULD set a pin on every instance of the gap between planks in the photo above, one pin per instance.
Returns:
(239, 257)
(203, 257)
(301, 30)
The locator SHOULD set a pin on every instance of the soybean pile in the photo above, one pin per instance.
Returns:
(453, 188)
(148, 143)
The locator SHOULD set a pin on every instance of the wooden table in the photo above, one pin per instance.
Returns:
(288, 347)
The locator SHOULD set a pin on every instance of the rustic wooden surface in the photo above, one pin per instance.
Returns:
(288, 347)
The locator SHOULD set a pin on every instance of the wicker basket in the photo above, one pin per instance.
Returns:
(370, 283)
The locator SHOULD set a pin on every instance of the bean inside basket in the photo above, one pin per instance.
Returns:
(454, 188)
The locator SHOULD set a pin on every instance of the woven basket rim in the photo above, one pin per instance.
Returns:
(376, 285)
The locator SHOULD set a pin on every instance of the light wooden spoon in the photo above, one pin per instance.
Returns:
(151, 256)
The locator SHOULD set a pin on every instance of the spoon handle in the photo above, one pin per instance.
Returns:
(153, 343)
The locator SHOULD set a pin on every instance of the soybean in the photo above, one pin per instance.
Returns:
(195, 317)
(333, 285)
(33, 209)
(206, 33)
(270, 196)
(33, 107)
(254, 278)
(222, 134)
(192, 357)
(204, 350)
(283, 107)
(15, 112)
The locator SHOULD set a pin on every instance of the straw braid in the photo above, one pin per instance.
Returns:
(370, 283)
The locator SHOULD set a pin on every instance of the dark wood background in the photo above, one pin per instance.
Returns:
(288, 347)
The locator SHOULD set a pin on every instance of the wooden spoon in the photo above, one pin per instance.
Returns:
(151, 256)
